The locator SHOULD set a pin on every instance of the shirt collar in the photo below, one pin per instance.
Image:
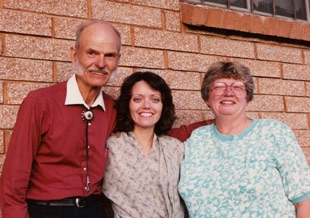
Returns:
(74, 97)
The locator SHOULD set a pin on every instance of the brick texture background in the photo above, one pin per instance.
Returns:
(35, 37)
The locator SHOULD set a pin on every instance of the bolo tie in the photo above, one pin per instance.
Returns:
(87, 116)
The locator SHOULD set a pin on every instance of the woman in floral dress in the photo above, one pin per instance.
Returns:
(241, 167)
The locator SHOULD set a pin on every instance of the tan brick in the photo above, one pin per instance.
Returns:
(227, 47)
(188, 100)
(73, 8)
(165, 40)
(176, 79)
(190, 61)
(308, 89)
(298, 72)
(306, 152)
(25, 69)
(181, 80)
(2, 158)
(279, 53)
(64, 71)
(125, 13)
(307, 56)
(253, 115)
(171, 4)
(8, 115)
(121, 74)
(112, 91)
(37, 48)
(26, 23)
(255, 85)
(1, 39)
(262, 68)
(207, 115)
(65, 28)
(1, 92)
(125, 33)
(303, 137)
(172, 21)
(2, 148)
(298, 105)
(137, 57)
(294, 121)
(7, 138)
(267, 103)
(18, 91)
(185, 117)
(281, 87)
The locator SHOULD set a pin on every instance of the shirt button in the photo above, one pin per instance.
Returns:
(84, 168)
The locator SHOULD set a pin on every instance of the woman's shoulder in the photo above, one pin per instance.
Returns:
(169, 139)
(171, 144)
(203, 130)
(117, 139)
(272, 124)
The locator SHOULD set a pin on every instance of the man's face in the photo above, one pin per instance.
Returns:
(97, 57)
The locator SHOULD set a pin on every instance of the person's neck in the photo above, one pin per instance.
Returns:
(89, 93)
(232, 126)
(145, 138)
(90, 96)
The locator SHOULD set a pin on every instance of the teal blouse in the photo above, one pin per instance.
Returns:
(260, 173)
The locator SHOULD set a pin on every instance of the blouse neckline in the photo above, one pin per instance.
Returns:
(232, 137)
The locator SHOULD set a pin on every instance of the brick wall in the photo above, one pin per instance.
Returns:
(176, 40)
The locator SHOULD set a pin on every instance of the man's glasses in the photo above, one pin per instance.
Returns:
(220, 88)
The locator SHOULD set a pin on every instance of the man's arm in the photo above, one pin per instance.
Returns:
(303, 209)
(17, 167)
(183, 132)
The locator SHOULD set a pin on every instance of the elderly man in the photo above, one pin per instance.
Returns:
(57, 156)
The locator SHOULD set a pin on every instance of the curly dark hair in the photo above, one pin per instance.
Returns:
(124, 122)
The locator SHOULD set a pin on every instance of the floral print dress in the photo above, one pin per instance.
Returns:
(260, 173)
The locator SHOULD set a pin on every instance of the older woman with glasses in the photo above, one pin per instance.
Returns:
(238, 166)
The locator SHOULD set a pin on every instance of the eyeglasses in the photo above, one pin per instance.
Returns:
(220, 88)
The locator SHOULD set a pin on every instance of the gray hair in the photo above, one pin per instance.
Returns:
(232, 70)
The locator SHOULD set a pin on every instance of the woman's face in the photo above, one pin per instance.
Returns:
(227, 97)
(145, 106)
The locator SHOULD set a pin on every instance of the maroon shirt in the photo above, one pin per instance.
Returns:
(46, 158)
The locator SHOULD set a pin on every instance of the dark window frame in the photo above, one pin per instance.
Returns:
(250, 8)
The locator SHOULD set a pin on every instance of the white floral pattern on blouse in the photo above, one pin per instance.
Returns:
(140, 186)
(260, 173)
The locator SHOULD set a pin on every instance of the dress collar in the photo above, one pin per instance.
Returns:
(74, 97)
